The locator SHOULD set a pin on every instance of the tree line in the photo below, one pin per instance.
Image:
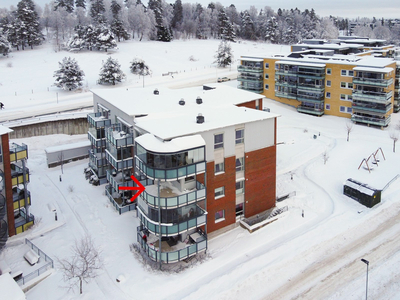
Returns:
(99, 24)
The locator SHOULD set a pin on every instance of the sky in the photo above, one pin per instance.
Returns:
(341, 8)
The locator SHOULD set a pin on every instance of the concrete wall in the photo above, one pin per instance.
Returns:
(70, 126)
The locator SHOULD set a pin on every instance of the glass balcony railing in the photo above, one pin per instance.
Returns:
(119, 165)
(171, 229)
(196, 243)
(97, 120)
(286, 95)
(117, 137)
(120, 204)
(96, 142)
(247, 78)
(251, 88)
(373, 81)
(18, 152)
(370, 107)
(97, 159)
(379, 121)
(17, 174)
(243, 68)
(310, 110)
(372, 96)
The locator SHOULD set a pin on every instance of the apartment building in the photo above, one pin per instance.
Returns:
(206, 156)
(358, 86)
(15, 199)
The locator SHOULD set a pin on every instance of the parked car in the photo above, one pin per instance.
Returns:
(223, 79)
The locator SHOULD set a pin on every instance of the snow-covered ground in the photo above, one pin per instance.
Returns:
(312, 257)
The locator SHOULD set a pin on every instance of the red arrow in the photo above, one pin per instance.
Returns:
(140, 188)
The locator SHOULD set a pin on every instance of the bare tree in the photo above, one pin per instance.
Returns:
(84, 263)
(349, 128)
(394, 135)
(325, 156)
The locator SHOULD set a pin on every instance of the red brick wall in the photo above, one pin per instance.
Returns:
(260, 185)
(8, 184)
(252, 104)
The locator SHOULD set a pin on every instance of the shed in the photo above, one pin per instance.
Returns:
(64, 153)
(362, 193)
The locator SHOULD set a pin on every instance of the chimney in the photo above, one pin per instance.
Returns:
(199, 100)
(200, 119)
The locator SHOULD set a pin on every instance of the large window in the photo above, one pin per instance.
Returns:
(218, 141)
(219, 192)
(220, 215)
(239, 164)
(239, 139)
(219, 168)
(239, 187)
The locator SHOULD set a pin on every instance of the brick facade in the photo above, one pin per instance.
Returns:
(8, 184)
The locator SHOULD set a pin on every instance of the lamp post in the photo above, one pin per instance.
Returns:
(366, 289)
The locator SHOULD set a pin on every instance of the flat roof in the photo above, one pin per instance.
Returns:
(10, 290)
(299, 63)
(377, 70)
(164, 117)
(151, 143)
(5, 130)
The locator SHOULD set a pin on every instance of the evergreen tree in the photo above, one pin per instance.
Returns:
(97, 10)
(68, 4)
(164, 34)
(5, 46)
(224, 56)
(111, 72)
(104, 38)
(117, 27)
(139, 67)
(247, 28)
(69, 77)
(177, 15)
(27, 25)
(80, 3)
(270, 31)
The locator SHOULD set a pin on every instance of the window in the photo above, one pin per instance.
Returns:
(329, 71)
(219, 168)
(351, 73)
(239, 164)
(266, 76)
(239, 209)
(349, 110)
(328, 83)
(350, 85)
(344, 72)
(239, 187)
(342, 109)
(276, 67)
(346, 97)
(239, 139)
(218, 141)
(267, 86)
(347, 73)
(346, 85)
(342, 97)
(327, 106)
(267, 65)
(219, 192)
(343, 85)
(219, 216)
(328, 94)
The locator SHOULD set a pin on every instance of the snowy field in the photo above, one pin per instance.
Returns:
(312, 257)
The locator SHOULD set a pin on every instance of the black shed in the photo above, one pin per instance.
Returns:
(361, 192)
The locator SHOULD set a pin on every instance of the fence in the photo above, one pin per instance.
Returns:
(41, 270)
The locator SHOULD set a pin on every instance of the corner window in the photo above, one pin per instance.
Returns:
(329, 71)
(351, 73)
(219, 168)
(328, 94)
(219, 216)
(219, 192)
(343, 84)
(239, 164)
(218, 141)
(239, 136)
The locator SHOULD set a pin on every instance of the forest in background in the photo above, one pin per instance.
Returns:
(100, 24)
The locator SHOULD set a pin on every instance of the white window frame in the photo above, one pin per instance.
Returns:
(239, 140)
(266, 76)
(327, 106)
(219, 192)
(328, 83)
(328, 95)
(219, 144)
(239, 190)
(328, 71)
(220, 218)
(266, 87)
(267, 65)
(241, 167)
(221, 168)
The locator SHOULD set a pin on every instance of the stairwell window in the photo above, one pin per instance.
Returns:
(239, 164)
(328, 94)
(239, 139)
(328, 83)
(218, 141)
(239, 187)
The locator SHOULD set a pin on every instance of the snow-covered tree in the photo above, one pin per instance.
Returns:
(139, 67)
(111, 72)
(97, 10)
(141, 22)
(247, 27)
(117, 26)
(177, 15)
(164, 34)
(5, 46)
(80, 3)
(67, 4)
(224, 56)
(270, 30)
(104, 38)
(69, 77)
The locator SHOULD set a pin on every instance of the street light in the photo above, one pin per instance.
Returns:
(366, 289)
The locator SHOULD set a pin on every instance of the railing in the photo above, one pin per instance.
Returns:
(250, 78)
(98, 120)
(24, 219)
(372, 96)
(95, 141)
(242, 68)
(50, 265)
(310, 110)
(174, 256)
(126, 163)
(171, 174)
(257, 90)
(17, 175)
(365, 107)
(119, 208)
(96, 159)
(198, 220)
(176, 201)
(373, 81)
(371, 120)
(266, 216)
(19, 198)
(18, 152)
(285, 95)
(117, 137)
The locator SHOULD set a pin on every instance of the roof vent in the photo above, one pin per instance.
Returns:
(200, 119)
(199, 100)
(182, 102)
(156, 92)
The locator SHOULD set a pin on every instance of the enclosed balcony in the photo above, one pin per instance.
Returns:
(120, 200)
(255, 87)
(17, 174)
(382, 121)
(173, 221)
(19, 198)
(311, 109)
(18, 152)
(248, 77)
(119, 138)
(373, 76)
(311, 71)
(251, 66)
(172, 249)
(22, 221)
(98, 120)
(120, 159)
(379, 108)
(372, 96)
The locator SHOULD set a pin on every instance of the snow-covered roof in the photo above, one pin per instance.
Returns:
(10, 290)
(244, 58)
(363, 188)
(5, 130)
(300, 63)
(163, 116)
(67, 147)
(151, 143)
(376, 70)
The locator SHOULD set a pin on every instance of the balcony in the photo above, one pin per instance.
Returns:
(97, 120)
(97, 159)
(310, 110)
(170, 198)
(123, 163)
(288, 84)
(286, 95)
(196, 218)
(369, 96)
(121, 203)
(172, 250)
(370, 120)
(23, 221)
(95, 141)
(19, 198)
(250, 69)
(17, 175)
(373, 81)
(250, 78)
(371, 107)
(18, 152)
(251, 88)
(119, 138)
